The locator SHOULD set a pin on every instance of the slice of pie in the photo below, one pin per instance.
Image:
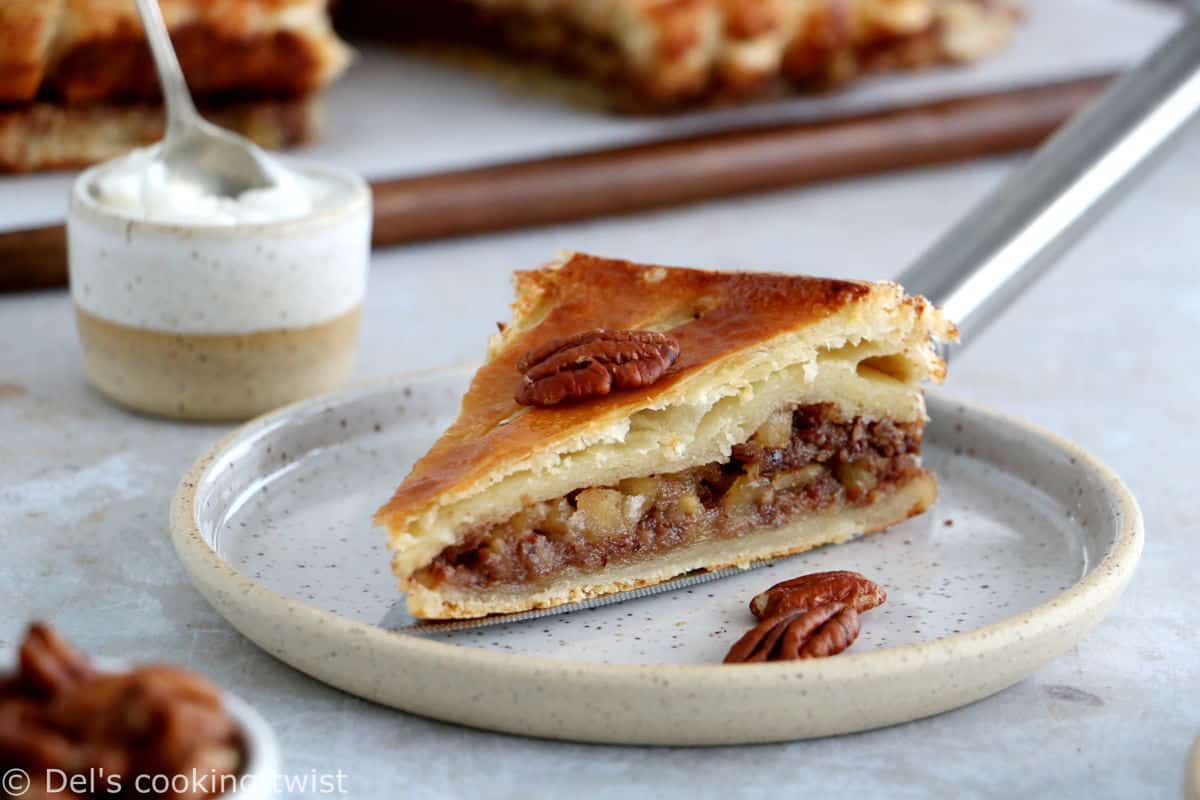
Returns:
(680, 420)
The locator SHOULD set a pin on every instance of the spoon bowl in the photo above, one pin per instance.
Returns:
(216, 161)
(195, 152)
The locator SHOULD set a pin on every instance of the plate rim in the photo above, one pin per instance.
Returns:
(1105, 580)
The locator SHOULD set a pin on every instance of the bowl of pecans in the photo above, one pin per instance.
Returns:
(72, 728)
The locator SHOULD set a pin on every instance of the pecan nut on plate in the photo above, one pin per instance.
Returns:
(79, 731)
(592, 364)
(812, 616)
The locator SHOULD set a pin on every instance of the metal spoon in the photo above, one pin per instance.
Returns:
(195, 151)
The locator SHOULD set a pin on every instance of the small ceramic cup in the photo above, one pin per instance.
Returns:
(219, 322)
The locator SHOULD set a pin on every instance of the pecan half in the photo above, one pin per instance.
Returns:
(592, 364)
(818, 589)
(812, 616)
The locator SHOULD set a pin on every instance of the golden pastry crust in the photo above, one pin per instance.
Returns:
(84, 51)
(46, 136)
(749, 344)
(60, 56)
(26, 32)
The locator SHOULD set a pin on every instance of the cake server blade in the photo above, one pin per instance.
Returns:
(398, 618)
(1005, 243)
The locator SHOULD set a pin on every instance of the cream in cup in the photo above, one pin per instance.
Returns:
(194, 306)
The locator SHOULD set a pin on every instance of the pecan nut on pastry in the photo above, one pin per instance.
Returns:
(812, 616)
(592, 364)
(61, 713)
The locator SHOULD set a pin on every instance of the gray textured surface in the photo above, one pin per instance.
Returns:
(1103, 352)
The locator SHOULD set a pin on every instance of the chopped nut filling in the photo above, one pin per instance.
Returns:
(801, 460)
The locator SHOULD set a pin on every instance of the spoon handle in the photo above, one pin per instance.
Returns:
(1009, 240)
(181, 111)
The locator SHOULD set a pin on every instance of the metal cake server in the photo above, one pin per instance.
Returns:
(214, 160)
(1010, 239)
(1003, 245)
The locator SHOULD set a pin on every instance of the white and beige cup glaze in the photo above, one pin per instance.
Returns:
(219, 322)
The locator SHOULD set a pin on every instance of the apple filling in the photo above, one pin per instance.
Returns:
(803, 459)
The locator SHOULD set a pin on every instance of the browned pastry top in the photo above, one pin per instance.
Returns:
(90, 51)
(710, 314)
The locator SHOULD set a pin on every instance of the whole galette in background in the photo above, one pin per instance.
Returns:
(663, 54)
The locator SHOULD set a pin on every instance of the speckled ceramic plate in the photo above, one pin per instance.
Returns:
(1030, 544)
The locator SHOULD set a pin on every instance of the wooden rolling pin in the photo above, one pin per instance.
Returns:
(663, 174)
